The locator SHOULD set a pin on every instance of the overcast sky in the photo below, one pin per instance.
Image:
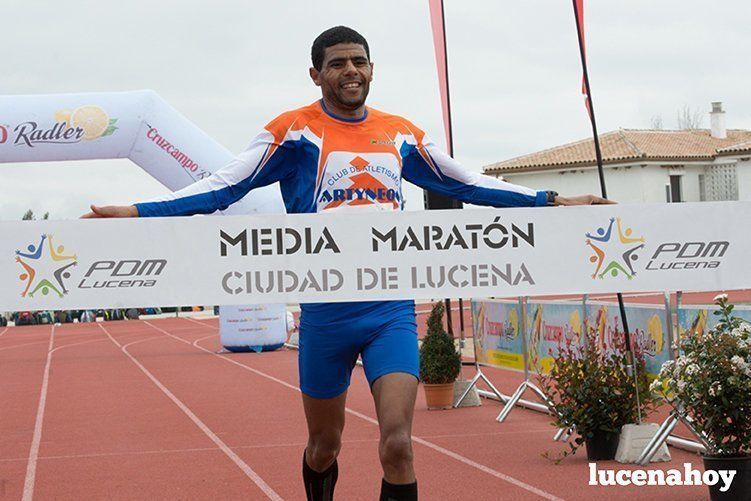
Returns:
(231, 66)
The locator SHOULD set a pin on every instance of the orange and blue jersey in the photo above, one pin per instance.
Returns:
(323, 162)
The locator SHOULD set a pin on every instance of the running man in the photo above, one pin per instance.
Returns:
(338, 154)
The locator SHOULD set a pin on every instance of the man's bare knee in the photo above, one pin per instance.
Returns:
(325, 419)
(396, 451)
(323, 449)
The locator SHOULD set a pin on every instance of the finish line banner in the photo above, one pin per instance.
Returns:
(359, 256)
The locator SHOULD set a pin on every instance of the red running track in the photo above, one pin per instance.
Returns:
(148, 410)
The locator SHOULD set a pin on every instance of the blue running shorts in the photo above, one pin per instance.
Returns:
(332, 335)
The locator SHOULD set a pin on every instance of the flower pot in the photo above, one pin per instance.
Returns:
(602, 445)
(439, 396)
(740, 489)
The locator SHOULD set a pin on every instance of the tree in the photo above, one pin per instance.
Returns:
(656, 122)
(29, 216)
(440, 363)
(689, 119)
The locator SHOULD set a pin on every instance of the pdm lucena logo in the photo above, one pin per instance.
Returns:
(614, 251)
(45, 267)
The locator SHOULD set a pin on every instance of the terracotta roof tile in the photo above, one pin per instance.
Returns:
(626, 145)
(735, 148)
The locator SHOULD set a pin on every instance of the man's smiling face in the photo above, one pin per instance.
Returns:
(344, 77)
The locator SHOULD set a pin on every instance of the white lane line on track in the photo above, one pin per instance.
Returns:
(266, 488)
(195, 343)
(20, 345)
(435, 447)
(33, 459)
(31, 465)
(468, 462)
(502, 476)
(4, 331)
(69, 339)
(78, 344)
(179, 451)
(262, 374)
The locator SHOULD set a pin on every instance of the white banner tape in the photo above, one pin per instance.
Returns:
(374, 256)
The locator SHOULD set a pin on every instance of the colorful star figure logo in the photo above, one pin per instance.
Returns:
(614, 254)
(44, 271)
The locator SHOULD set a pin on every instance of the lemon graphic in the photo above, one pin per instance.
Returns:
(92, 119)
(63, 116)
(574, 320)
(513, 320)
(654, 328)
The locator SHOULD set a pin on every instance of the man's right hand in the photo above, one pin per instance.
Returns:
(111, 211)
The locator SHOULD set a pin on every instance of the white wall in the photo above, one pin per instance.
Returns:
(654, 180)
(626, 184)
(634, 184)
(691, 183)
(743, 168)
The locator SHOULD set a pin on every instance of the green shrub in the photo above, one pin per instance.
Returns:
(440, 363)
(712, 380)
(590, 388)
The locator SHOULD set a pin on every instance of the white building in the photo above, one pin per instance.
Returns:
(644, 165)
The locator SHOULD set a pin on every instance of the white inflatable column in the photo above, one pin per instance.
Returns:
(141, 126)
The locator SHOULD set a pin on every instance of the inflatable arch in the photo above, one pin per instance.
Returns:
(142, 127)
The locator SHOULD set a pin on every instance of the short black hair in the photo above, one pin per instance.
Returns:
(333, 36)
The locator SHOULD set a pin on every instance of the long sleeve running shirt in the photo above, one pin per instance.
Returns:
(324, 162)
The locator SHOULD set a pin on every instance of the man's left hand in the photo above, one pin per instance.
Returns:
(582, 200)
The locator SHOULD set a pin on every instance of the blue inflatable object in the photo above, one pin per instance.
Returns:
(257, 348)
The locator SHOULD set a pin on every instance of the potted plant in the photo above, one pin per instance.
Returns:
(589, 388)
(711, 381)
(440, 362)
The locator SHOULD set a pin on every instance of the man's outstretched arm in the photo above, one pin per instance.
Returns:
(432, 169)
(265, 161)
(582, 200)
(111, 211)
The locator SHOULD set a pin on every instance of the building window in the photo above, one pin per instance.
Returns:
(720, 182)
(676, 193)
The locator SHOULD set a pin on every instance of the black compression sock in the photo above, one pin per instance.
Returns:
(319, 486)
(398, 492)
